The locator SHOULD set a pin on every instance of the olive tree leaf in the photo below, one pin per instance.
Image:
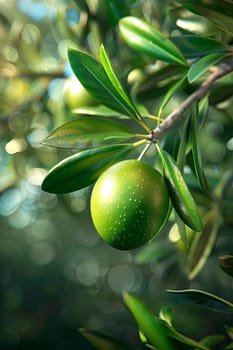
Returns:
(114, 80)
(213, 341)
(229, 346)
(155, 330)
(97, 111)
(173, 333)
(146, 39)
(196, 153)
(203, 243)
(203, 109)
(204, 299)
(224, 7)
(218, 12)
(86, 132)
(157, 83)
(93, 77)
(115, 10)
(166, 314)
(222, 90)
(104, 341)
(197, 24)
(197, 46)
(184, 144)
(104, 111)
(226, 264)
(203, 64)
(83, 168)
(173, 89)
(180, 160)
(180, 195)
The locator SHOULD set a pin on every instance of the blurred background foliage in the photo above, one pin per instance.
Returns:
(55, 273)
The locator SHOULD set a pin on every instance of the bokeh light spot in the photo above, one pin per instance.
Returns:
(72, 17)
(87, 272)
(230, 144)
(15, 145)
(43, 253)
(123, 278)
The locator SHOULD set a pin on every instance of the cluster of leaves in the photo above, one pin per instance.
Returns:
(188, 59)
(158, 332)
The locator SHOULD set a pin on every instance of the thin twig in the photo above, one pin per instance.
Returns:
(173, 117)
(32, 74)
(146, 148)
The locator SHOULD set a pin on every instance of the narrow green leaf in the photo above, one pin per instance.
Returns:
(185, 340)
(203, 64)
(197, 24)
(103, 111)
(87, 132)
(203, 107)
(212, 341)
(204, 299)
(183, 145)
(221, 91)
(116, 9)
(83, 168)
(145, 39)
(229, 346)
(218, 12)
(181, 338)
(170, 94)
(114, 80)
(203, 243)
(154, 329)
(166, 314)
(93, 77)
(196, 153)
(180, 195)
(223, 6)
(97, 111)
(226, 264)
(104, 341)
(197, 46)
(157, 83)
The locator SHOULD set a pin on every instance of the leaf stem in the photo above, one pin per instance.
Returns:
(223, 69)
(141, 142)
(142, 136)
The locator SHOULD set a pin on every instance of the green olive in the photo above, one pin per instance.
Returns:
(129, 204)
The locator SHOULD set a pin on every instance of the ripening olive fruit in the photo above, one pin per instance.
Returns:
(129, 204)
(76, 95)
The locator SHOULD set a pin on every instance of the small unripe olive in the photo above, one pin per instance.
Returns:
(129, 204)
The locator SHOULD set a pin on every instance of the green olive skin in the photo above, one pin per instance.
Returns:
(129, 204)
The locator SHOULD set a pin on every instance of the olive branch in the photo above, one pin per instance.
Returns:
(216, 73)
